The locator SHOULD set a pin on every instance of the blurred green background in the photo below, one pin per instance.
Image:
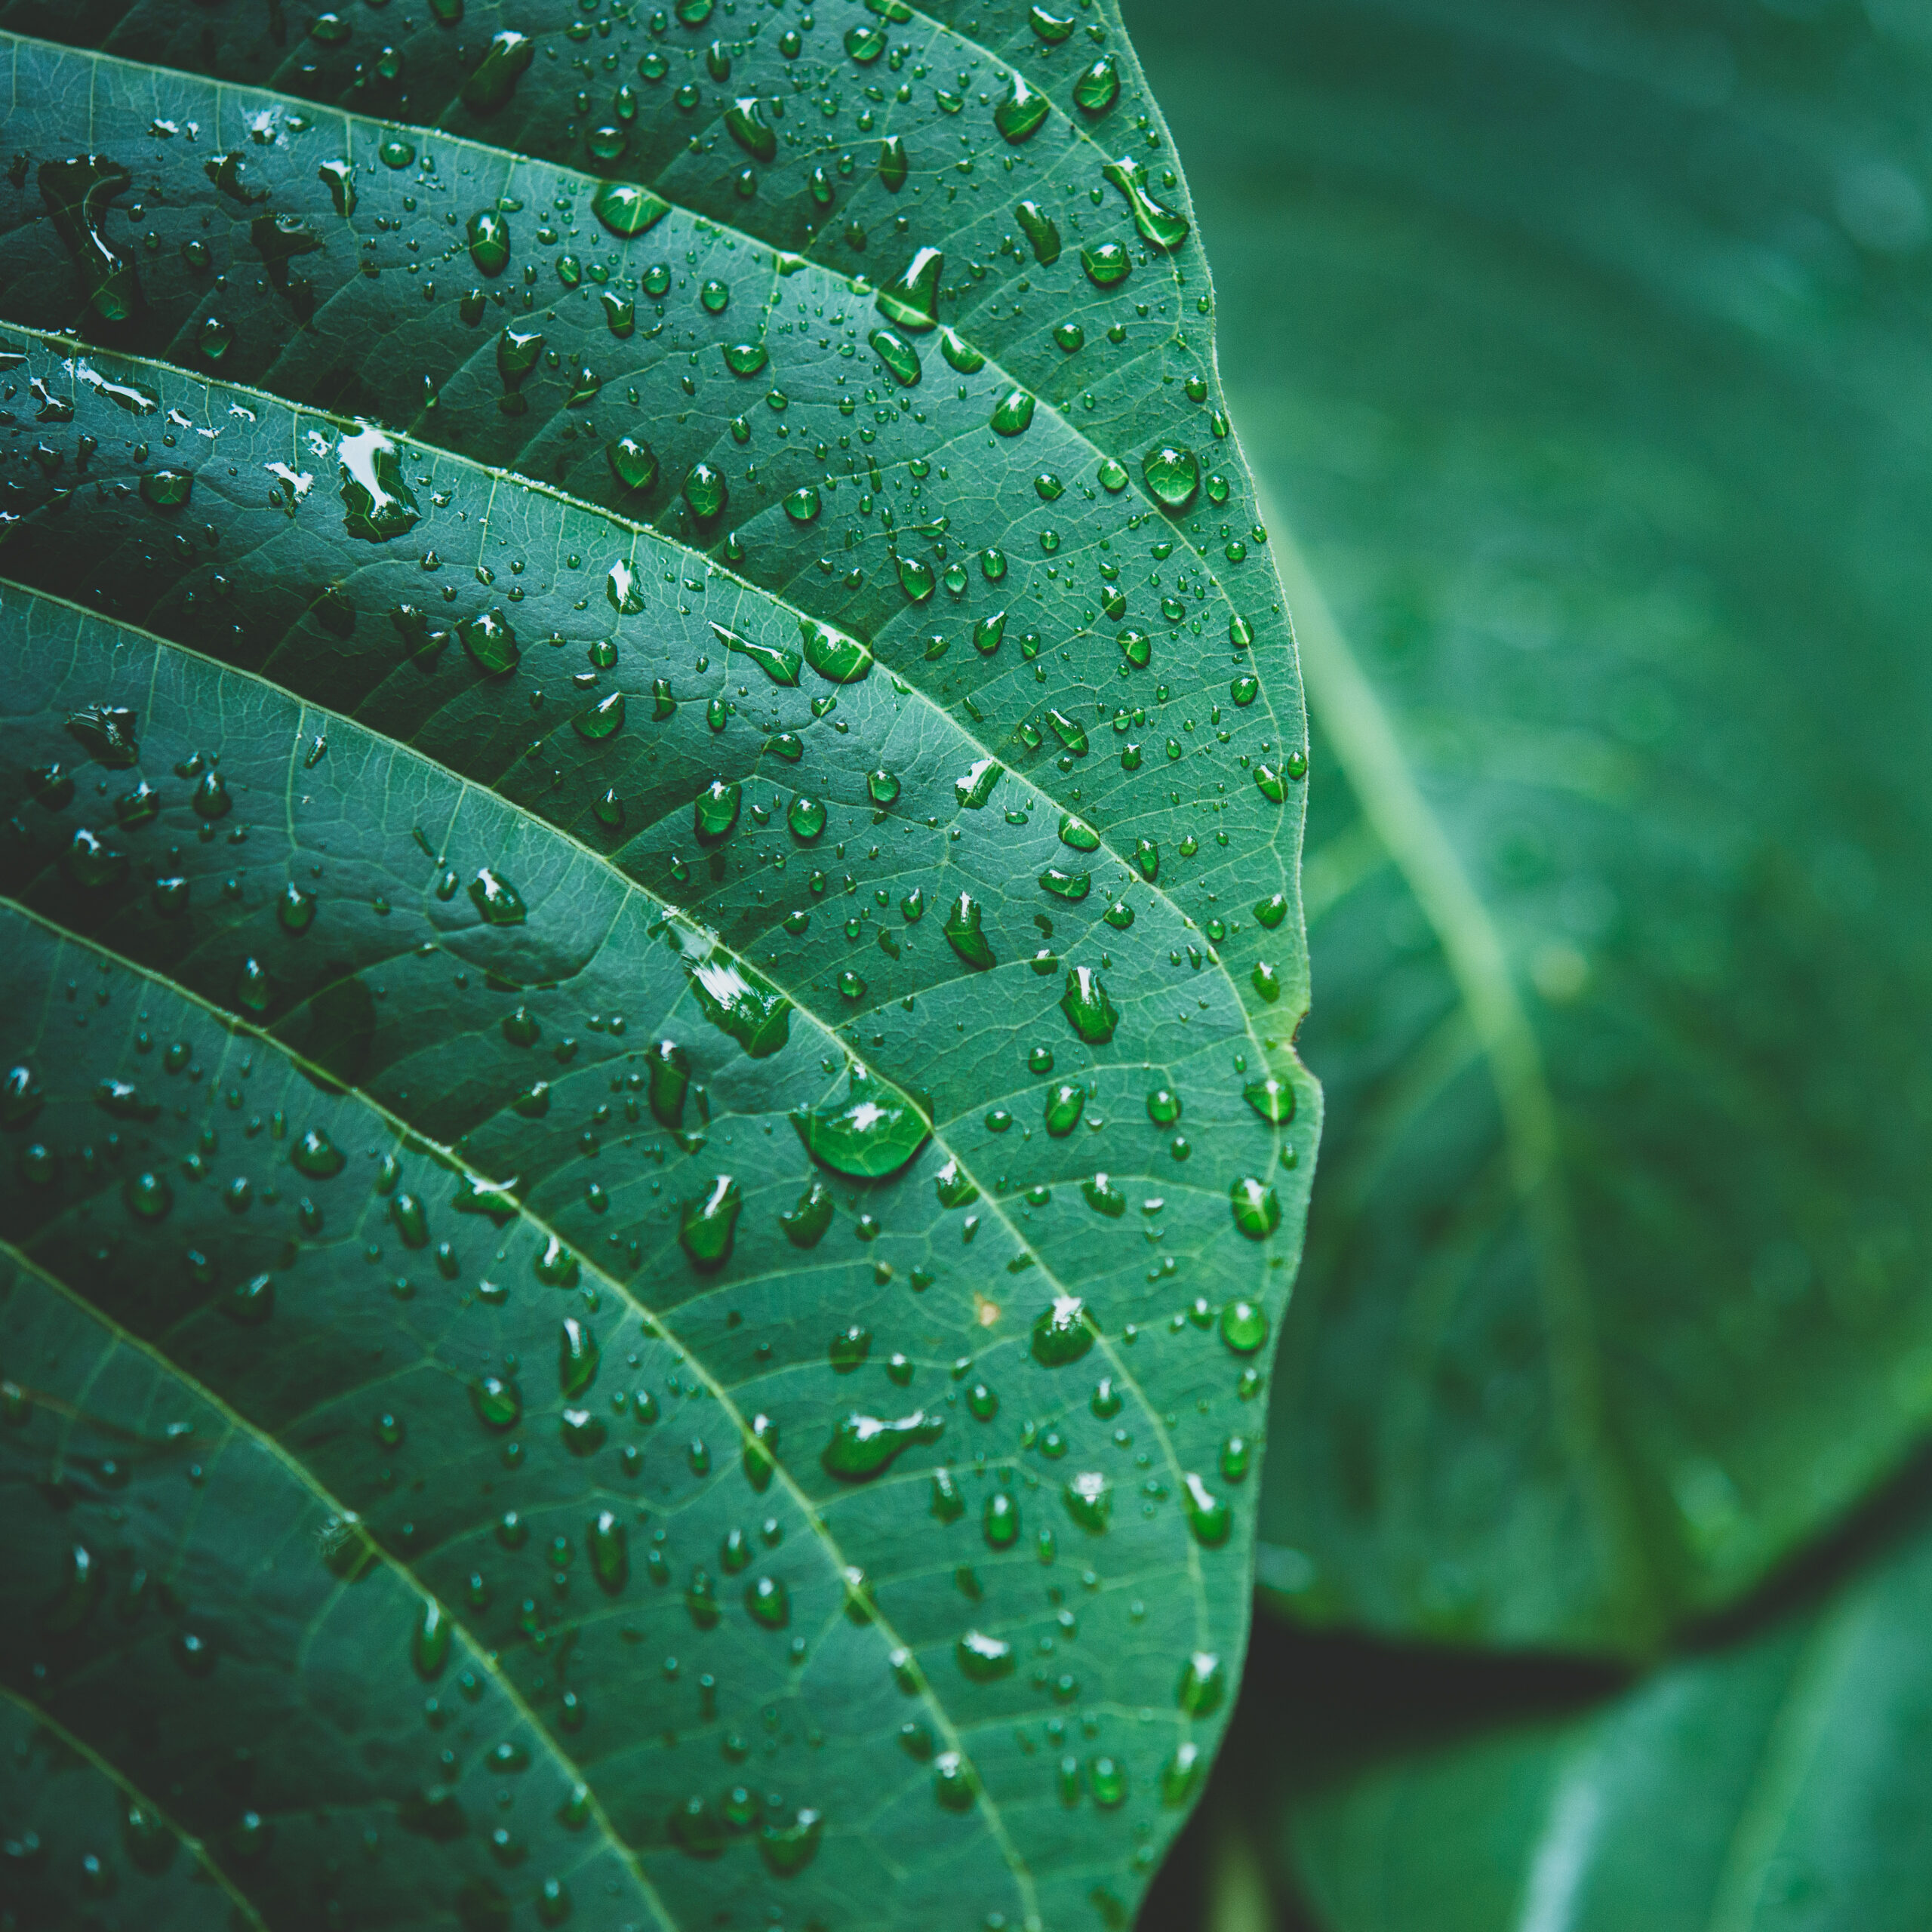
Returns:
(1585, 352)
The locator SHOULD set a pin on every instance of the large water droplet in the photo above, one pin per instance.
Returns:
(1098, 88)
(714, 811)
(1041, 230)
(494, 79)
(1066, 1101)
(983, 1658)
(836, 656)
(627, 210)
(872, 1133)
(1160, 226)
(498, 901)
(861, 1445)
(1089, 1500)
(1257, 1213)
(745, 122)
(734, 999)
(77, 192)
(1172, 474)
(1062, 1333)
(1208, 1515)
(1089, 1012)
(489, 233)
(376, 498)
(898, 354)
(706, 1224)
(1013, 412)
(167, 489)
(962, 933)
(911, 300)
(608, 1543)
(1019, 115)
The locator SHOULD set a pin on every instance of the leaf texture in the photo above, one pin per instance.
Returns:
(571, 1051)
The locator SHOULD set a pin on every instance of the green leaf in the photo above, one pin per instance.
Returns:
(1576, 377)
(1772, 1782)
(504, 933)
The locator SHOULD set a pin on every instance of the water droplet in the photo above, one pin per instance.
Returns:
(1066, 1101)
(766, 1600)
(1208, 1515)
(429, 1647)
(1089, 1500)
(497, 1401)
(803, 504)
(1012, 413)
(601, 720)
(148, 1196)
(805, 818)
(489, 234)
(1042, 232)
(1181, 1775)
(964, 936)
(892, 164)
(836, 656)
(882, 787)
(983, 1658)
(338, 177)
(954, 1784)
(377, 500)
(77, 192)
(1160, 226)
(707, 1222)
(494, 79)
(714, 811)
(962, 355)
(714, 297)
(706, 491)
(898, 354)
(490, 643)
(577, 1356)
(735, 1000)
(1063, 1333)
(861, 1445)
(166, 489)
(911, 300)
(1257, 1211)
(788, 1847)
(1107, 1778)
(745, 122)
(873, 1132)
(1173, 476)
(805, 1224)
(1018, 117)
(1097, 89)
(999, 1522)
(1103, 1196)
(628, 210)
(608, 1544)
(498, 901)
(1105, 263)
(1203, 1685)
(1089, 1011)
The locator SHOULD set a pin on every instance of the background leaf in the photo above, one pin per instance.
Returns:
(1771, 1780)
(1578, 345)
(648, 920)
